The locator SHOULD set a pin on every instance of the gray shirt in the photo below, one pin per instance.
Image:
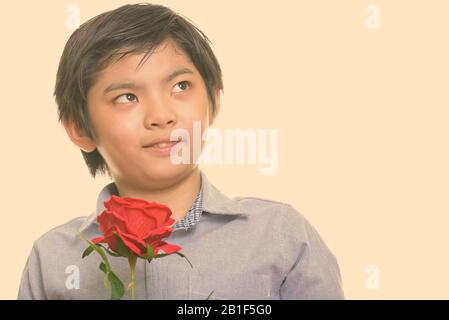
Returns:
(240, 248)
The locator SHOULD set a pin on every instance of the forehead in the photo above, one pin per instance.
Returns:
(155, 64)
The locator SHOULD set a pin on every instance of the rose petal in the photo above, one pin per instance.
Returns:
(118, 205)
(97, 240)
(158, 234)
(170, 222)
(118, 200)
(111, 239)
(166, 247)
(139, 224)
(134, 244)
(109, 219)
(170, 248)
(161, 214)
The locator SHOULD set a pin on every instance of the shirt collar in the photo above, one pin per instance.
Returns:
(214, 202)
(193, 215)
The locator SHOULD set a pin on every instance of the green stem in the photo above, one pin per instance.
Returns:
(132, 259)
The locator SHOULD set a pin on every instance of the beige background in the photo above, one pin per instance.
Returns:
(362, 117)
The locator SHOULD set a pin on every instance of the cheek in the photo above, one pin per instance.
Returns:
(197, 111)
(118, 139)
(195, 106)
(196, 127)
(194, 120)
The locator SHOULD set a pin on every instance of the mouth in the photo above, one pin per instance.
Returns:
(162, 145)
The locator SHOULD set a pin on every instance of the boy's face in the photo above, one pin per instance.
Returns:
(126, 118)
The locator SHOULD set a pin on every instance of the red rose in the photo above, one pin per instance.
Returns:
(137, 222)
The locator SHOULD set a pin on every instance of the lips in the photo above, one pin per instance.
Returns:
(162, 143)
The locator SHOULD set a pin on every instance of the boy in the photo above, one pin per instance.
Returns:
(126, 80)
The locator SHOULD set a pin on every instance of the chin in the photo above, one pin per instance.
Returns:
(168, 172)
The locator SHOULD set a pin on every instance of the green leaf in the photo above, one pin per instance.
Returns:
(115, 284)
(121, 247)
(105, 278)
(182, 255)
(210, 295)
(117, 287)
(98, 249)
(112, 282)
(110, 252)
(150, 252)
(104, 268)
(178, 253)
(87, 252)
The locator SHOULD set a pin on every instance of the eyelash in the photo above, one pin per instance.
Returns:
(129, 93)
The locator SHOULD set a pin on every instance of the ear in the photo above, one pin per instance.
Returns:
(79, 137)
(217, 107)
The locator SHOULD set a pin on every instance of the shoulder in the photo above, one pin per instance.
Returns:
(282, 217)
(260, 202)
(61, 235)
(283, 211)
(293, 227)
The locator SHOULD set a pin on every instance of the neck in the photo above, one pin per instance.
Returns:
(178, 196)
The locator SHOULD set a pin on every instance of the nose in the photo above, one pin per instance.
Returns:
(159, 115)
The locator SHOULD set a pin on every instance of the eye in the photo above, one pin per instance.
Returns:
(182, 85)
(125, 98)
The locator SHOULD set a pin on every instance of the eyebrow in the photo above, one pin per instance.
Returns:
(132, 85)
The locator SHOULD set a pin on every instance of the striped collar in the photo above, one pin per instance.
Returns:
(212, 201)
(192, 217)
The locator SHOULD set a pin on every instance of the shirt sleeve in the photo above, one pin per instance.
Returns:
(31, 284)
(311, 269)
